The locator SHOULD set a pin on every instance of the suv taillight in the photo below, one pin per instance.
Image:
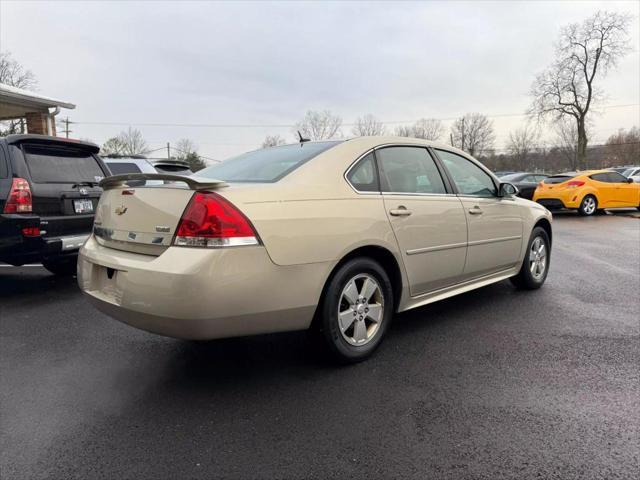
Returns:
(19, 200)
(211, 221)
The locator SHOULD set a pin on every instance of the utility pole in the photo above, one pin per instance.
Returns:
(168, 151)
(66, 130)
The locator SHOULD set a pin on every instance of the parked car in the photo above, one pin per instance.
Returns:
(588, 192)
(620, 169)
(48, 194)
(172, 166)
(632, 173)
(502, 173)
(119, 165)
(526, 182)
(336, 236)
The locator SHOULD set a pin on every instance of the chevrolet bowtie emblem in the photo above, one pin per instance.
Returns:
(121, 210)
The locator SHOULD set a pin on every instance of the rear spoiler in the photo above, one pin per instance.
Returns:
(194, 182)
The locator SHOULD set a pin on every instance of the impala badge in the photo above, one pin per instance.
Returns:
(162, 229)
(121, 210)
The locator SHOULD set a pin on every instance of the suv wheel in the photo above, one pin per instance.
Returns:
(64, 266)
(356, 310)
(588, 206)
(535, 265)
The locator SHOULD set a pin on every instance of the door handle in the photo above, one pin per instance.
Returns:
(401, 211)
(475, 210)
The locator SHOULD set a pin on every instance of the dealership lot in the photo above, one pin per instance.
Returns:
(494, 383)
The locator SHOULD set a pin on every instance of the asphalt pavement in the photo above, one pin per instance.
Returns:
(496, 383)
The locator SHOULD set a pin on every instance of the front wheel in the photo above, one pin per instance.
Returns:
(356, 310)
(535, 265)
(588, 206)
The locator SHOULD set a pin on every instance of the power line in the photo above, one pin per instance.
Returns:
(249, 125)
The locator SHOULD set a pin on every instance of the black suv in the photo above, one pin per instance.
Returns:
(48, 194)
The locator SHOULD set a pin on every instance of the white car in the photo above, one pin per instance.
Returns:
(123, 165)
(632, 173)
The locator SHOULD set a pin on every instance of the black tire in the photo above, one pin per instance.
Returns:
(587, 208)
(64, 267)
(334, 300)
(525, 279)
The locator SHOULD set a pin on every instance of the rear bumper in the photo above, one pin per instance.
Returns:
(17, 249)
(551, 203)
(196, 293)
(569, 198)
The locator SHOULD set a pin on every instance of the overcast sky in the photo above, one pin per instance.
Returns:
(139, 63)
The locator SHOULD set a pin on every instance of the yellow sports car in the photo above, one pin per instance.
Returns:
(588, 191)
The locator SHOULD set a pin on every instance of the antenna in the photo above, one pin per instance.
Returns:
(302, 139)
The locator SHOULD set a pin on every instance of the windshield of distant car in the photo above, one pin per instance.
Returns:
(558, 178)
(267, 164)
(513, 177)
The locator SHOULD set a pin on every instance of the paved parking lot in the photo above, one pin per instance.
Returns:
(493, 384)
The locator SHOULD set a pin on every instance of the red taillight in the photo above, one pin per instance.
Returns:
(19, 200)
(211, 221)
(31, 231)
(575, 183)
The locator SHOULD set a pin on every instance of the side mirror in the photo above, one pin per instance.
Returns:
(507, 190)
(629, 180)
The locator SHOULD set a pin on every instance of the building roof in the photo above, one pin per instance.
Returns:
(16, 102)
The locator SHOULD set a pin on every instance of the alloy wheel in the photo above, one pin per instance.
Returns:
(538, 258)
(589, 205)
(360, 309)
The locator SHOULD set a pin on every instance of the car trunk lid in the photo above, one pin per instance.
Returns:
(144, 219)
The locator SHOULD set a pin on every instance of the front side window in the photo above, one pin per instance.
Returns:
(364, 176)
(409, 170)
(615, 177)
(468, 177)
(267, 164)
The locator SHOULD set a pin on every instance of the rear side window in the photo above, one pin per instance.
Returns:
(615, 177)
(121, 168)
(267, 164)
(558, 179)
(364, 176)
(61, 165)
(409, 170)
(600, 177)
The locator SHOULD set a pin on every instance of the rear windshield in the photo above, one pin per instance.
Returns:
(120, 168)
(267, 164)
(558, 178)
(61, 165)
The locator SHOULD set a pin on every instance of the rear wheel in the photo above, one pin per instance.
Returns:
(535, 265)
(63, 266)
(588, 206)
(356, 310)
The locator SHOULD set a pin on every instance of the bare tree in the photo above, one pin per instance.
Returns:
(14, 75)
(521, 144)
(583, 51)
(272, 141)
(473, 133)
(128, 142)
(566, 141)
(368, 125)
(320, 125)
(428, 129)
(623, 148)
(404, 131)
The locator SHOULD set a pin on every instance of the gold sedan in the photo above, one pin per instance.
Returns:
(336, 236)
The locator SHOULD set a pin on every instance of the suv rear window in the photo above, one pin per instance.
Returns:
(266, 165)
(61, 165)
(121, 168)
(558, 178)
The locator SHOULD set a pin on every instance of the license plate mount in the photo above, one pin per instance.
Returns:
(83, 205)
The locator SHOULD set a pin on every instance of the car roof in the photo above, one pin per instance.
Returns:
(17, 139)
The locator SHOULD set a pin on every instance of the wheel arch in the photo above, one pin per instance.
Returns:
(387, 261)
(546, 226)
